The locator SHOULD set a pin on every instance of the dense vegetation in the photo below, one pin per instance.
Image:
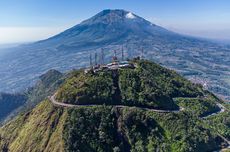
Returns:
(107, 127)
(112, 129)
(152, 85)
(99, 135)
(186, 133)
(82, 89)
(220, 123)
(147, 85)
(200, 107)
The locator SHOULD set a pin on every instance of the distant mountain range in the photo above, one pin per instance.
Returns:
(200, 60)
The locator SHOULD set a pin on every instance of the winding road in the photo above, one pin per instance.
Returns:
(55, 102)
(222, 109)
(61, 104)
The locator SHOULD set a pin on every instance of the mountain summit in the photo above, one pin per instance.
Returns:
(111, 16)
(110, 26)
(116, 16)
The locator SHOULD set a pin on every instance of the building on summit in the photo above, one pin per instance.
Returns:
(114, 65)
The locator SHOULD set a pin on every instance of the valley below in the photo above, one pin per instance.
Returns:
(205, 64)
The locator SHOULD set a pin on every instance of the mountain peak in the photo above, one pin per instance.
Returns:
(108, 26)
(111, 16)
(118, 12)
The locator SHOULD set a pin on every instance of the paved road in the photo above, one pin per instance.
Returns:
(55, 102)
(222, 109)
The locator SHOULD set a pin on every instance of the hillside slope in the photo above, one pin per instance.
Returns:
(107, 127)
(34, 131)
(12, 104)
(9, 103)
(104, 128)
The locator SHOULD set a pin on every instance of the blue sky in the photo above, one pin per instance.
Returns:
(30, 20)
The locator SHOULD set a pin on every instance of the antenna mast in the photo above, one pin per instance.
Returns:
(102, 56)
(115, 56)
(90, 60)
(122, 53)
(115, 53)
(142, 53)
(95, 58)
(127, 49)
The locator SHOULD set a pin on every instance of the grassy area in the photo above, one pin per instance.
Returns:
(38, 130)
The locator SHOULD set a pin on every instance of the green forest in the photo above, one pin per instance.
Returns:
(134, 127)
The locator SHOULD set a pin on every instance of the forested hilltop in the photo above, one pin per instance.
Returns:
(146, 108)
